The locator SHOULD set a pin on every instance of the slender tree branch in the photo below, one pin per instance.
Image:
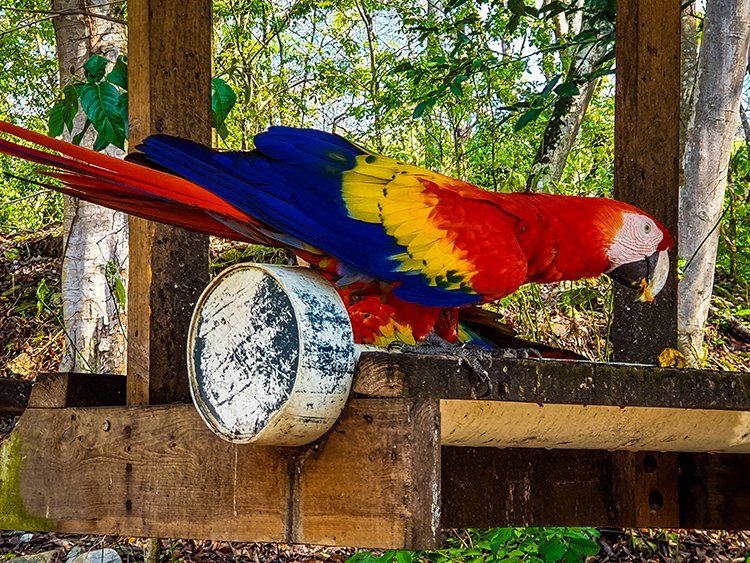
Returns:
(51, 14)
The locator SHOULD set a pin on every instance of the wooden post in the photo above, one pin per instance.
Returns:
(170, 92)
(647, 122)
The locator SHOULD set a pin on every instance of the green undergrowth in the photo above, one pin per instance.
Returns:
(499, 545)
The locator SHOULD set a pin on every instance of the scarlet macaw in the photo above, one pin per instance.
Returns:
(396, 237)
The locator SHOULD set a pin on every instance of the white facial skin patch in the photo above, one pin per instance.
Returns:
(637, 239)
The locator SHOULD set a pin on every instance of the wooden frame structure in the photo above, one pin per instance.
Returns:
(129, 460)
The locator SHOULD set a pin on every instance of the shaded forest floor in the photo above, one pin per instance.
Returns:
(569, 315)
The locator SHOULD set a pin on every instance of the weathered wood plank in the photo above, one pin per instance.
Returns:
(159, 471)
(59, 390)
(14, 395)
(402, 502)
(488, 487)
(714, 491)
(647, 488)
(535, 381)
(647, 121)
(521, 425)
(169, 48)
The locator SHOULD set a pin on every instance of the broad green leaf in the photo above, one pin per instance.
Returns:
(55, 123)
(70, 105)
(527, 118)
(101, 104)
(76, 140)
(550, 86)
(119, 73)
(422, 107)
(552, 550)
(584, 546)
(567, 90)
(223, 99)
(94, 68)
(500, 538)
(122, 107)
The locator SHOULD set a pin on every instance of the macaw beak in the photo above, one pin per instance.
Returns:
(648, 276)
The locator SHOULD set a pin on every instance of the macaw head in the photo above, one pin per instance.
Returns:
(638, 253)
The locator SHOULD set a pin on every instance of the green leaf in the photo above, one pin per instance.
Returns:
(550, 86)
(76, 140)
(122, 107)
(567, 90)
(584, 546)
(551, 9)
(456, 89)
(70, 105)
(527, 118)
(55, 122)
(404, 556)
(552, 550)
(101, 104)
(94, 68)
(500, 538)
(421, 108)
(387, 557)
(223, 99)
(119, 73)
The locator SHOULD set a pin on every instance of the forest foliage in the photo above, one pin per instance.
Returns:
(469, 88)
(465, 87)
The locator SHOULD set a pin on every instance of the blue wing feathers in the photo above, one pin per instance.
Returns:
(292, 182)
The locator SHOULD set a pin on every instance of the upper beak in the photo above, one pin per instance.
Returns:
(648, 275)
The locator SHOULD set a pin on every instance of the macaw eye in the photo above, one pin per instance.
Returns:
(647, 228)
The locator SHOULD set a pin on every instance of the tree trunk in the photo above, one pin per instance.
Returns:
(721, 68)
(96, 239)
(567, 113)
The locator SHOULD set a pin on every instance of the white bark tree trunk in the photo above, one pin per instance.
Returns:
(721, 68)
(96, 239)
(562, 130)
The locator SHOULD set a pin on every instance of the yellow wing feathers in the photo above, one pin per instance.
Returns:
(381, 190)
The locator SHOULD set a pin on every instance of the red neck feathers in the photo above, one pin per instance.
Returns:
(565, 237)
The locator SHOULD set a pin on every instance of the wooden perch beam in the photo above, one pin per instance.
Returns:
(379, 477)
(548, 404)
(160, 472)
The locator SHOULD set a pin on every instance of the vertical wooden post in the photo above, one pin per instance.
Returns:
(170, 92)
(647, 115)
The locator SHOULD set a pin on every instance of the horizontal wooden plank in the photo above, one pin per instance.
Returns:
(14, 395)
(382, 374)
(490, 487)
(158, 471)
(506, 424)
(58, 390)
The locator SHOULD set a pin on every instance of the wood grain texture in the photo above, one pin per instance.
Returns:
(169, 49)
(14, 395)
(158, 471)
(714, 491)
(380, 374)
(647, 122)
(647, 487)
(507, 424)
(59, 390)
(488, 487)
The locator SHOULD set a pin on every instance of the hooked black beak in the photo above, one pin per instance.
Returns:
(648, 276)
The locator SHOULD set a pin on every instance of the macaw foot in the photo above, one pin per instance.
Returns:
(478, 358)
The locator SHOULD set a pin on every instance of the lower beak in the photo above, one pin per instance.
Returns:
(648, 276)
